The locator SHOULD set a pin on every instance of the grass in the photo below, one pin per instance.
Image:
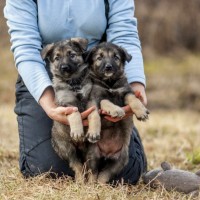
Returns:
(167, 136)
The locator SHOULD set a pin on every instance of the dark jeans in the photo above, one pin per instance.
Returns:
(36, 153)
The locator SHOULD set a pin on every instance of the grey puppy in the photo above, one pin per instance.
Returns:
(72, 88)
(110, 92)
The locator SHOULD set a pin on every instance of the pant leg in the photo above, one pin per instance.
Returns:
(36, 153)
(137, 164)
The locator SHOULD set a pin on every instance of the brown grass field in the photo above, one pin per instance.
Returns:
(168, 135)
(171, 134)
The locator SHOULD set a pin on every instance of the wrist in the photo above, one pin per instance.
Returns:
(137, 85)
(47, 101)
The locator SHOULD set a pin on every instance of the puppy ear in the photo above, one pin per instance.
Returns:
(88, 54)
(47, 50)
(82, 42)
(127, 56)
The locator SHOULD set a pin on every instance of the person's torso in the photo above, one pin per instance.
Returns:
(59, 20)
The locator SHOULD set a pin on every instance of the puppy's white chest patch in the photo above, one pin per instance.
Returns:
(118, 90)
(84, 91)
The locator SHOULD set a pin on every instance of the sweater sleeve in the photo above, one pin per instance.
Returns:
(122, 30)
(26, 45)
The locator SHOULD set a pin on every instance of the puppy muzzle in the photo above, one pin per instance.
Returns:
(108, 68)
(64, 68)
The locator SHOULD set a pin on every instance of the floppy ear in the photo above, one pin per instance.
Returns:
(47, 50)
(127, 56)
(82, 43)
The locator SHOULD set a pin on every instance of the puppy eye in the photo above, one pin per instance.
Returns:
(72, 55)
(116, 58)
(57, 58)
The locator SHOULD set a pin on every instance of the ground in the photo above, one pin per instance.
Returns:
(167, 136)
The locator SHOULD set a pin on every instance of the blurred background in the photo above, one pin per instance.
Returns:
(169, 32)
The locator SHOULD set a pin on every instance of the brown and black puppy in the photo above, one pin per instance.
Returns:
(72, 88)
(110, 92)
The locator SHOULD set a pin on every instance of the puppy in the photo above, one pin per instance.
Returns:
(110, 92)
(72, 88)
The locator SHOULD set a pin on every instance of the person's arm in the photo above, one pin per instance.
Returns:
(26, 45)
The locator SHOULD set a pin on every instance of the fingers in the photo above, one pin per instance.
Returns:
(116, 119)
(69, 110)
(127, 109)
(85, 114)
(139, 91)
(85, 122)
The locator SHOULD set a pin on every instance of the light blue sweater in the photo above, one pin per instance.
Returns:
(30, 27)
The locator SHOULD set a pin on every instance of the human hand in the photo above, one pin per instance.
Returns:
(139, 91)
(85, 114)
(127, 110)
(58, 113)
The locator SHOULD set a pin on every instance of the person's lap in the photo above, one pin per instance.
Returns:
(36, 153)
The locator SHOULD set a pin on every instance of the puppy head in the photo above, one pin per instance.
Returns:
(65, 57)
(107, 60)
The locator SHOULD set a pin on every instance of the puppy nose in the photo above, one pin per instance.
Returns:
(64, 68)
(108, 67)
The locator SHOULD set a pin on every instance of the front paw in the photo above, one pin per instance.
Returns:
(77, 134)
(93, 136)
(103, 178)
(115, 111)
(142, 113)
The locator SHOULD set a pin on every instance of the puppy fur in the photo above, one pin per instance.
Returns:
(110, 92)
(72, 88)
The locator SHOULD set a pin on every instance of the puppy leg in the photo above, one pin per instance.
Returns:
(112, 109)
(67, 151)
(76, 126)
(113, 168)
(94, 124)
(92, 163)
(137, 107)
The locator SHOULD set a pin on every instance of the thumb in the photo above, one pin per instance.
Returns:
(67, 110)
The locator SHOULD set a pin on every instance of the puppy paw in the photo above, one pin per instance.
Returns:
(93, 137)
(142, 113)
(77, 134)
(116, 111)
(102, 178)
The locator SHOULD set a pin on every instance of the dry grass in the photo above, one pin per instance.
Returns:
(170, 136)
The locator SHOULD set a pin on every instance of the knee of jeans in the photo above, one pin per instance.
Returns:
(27, 168)
(43, 159)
